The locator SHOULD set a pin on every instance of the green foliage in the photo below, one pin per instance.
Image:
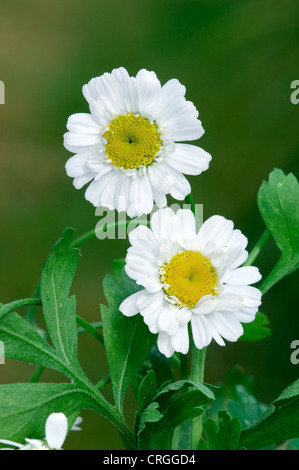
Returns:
(279, 422)
(258, 329)
(245, 406)
(225, 435)
(23, 343)
(59, 310)
(127, 340)
(173, 405)
(162, 366)
(232, 416)
(278, 201)
(25, 407)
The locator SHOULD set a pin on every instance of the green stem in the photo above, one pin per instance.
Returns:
(90, 329)
(93, 233)
(36, 374)
(102, 383)
(197, 375)
(96, 324)
(16, 304)
(258, 247)
(184, 366)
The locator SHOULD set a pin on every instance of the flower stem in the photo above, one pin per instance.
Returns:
(90, 329)
(184, 366)
(197, 375)
(93, 233)
(258, 247)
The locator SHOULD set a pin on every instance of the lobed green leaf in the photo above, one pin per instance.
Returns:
(278, 201)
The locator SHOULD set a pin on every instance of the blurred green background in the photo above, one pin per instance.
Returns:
(237, 60)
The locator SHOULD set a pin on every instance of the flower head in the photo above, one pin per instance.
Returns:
(126, 147)
(55, 430)
(191, 278)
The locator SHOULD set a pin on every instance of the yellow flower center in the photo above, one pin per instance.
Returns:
(188, 277)
(132, 141)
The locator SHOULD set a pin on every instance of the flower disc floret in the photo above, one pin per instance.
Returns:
(188, 277)
(132, 141)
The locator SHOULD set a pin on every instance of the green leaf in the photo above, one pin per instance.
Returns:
(150, 415)
(178, 402)
(147, 390)
(258, 329)
(117, 268)
(289, 394)
(127, 340)
(225, 435)
(279, 422)
(24, 408)
(162, 366)
(236, 382)
(23, 343)
(60, 310)
(278, 202)
(245, 406)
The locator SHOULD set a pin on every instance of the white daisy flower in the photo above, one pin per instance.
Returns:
(55, 429)
(126, 146)
(191, 278)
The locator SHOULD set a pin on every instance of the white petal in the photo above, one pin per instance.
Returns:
(226, 325)
(142, 238)
(79, 141)
(164, 344)
(245, 275)
(35, 444)
(183, 315)
(83, 123)
(217, 230)
(129, 306)
(229, 300)
(200, 331)
(161, 177)
(189, 159)
(159, 198)
(11, 443)
(56, 430)
(179, 117)
(108, 195)
(149, 88)
(180, 340)
(187, 240)
(185, 220)
(234, 249)
(122, 197)
(76, 165)
(167, 319)
(141, 197)
(170, 91)
(181, 185)
(94, 191)
(206, 305)
(161, 220)
(107, 88)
